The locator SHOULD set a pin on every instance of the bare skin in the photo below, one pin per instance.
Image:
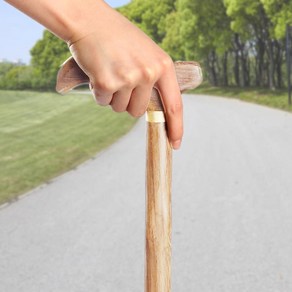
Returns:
(123, 64)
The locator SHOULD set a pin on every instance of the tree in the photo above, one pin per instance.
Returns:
(47, 56)
(205, 34)
(150, 18)
(253, 25)
(237, 42)
(280, 13)
(17, 78)
(5, 67)
(173, 42)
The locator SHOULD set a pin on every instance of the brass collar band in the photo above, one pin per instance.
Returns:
(155, 117)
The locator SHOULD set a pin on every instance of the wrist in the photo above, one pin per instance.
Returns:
(74, 19)
(82, 19)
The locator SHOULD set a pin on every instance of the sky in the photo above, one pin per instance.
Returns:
(18, 32)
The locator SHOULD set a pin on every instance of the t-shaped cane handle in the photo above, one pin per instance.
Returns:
(189, 76)
(158, 172)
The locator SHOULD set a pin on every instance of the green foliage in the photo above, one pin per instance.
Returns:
(237, 41)
(5, 67)
(280, 13)
(173, 42)
(150, 18)
(47, 56)
(15, 76)
(248, 18)
(204, 27)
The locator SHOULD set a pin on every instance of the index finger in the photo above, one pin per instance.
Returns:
(173, 106)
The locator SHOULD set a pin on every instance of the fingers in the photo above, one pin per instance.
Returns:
(101, 97)
(124, 90)
(134, 101)
(173, 107)
(134, 97)
(120, 100)
(139, 100)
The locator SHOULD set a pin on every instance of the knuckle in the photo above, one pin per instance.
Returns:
(149, 74)
(165, 62)
(120, 101)
(174, 109)
(128, 78)
(104, 86)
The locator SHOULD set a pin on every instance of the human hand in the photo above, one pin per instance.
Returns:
(123, 65)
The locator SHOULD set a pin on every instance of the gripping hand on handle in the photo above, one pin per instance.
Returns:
(122, 63)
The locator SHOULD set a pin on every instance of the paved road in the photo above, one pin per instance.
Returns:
(232, 209)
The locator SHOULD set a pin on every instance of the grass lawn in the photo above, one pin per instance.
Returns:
(45, 134)
(277, 99)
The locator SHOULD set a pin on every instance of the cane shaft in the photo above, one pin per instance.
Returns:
(158, 208)
(158, 178)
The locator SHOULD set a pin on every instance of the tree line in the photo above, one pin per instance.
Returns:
(238, 42)
(46, 57)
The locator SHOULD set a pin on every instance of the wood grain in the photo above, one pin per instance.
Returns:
(158, 209)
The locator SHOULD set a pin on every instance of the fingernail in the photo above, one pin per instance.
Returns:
(176, 144)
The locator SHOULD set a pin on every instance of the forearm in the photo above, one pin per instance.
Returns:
(68, 19)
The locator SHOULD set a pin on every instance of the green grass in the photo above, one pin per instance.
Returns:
(44, 134)
(276, 99)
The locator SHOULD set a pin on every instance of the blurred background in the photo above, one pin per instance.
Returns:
(239, 43)
(242, 46)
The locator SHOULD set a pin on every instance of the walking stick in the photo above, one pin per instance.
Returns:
(158, 172)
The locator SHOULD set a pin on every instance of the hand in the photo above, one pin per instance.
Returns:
(123, 65)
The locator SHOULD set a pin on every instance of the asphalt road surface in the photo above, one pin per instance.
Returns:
(232, 211)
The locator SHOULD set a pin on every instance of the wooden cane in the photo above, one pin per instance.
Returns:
(158, 172)
(158, 201)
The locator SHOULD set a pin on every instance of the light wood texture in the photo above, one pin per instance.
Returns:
(158, 209)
